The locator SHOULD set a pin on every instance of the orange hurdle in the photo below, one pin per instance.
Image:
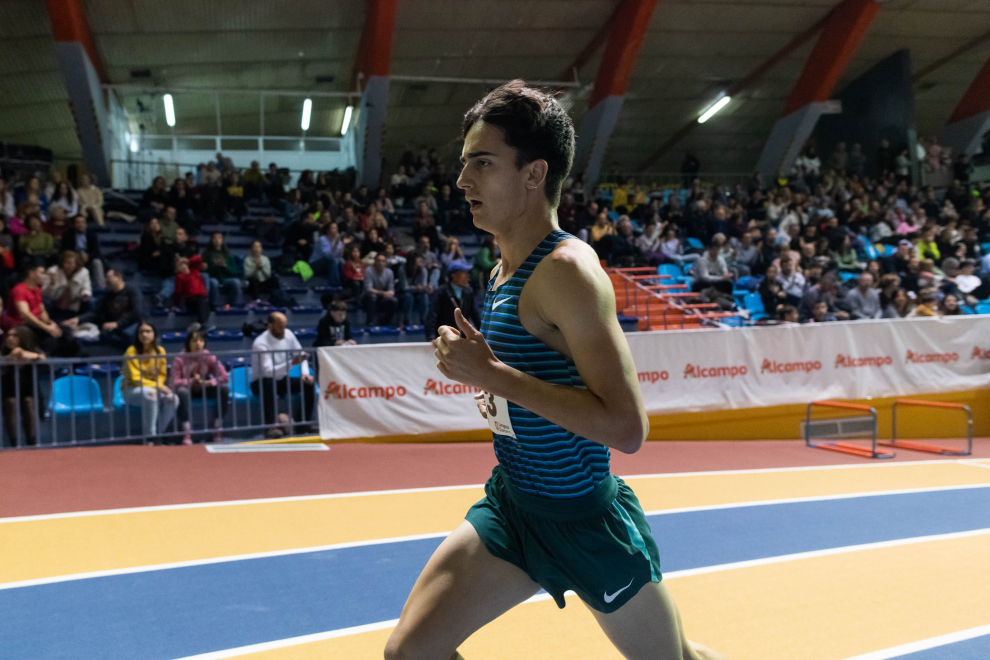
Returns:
(844, 447)
(920, 446)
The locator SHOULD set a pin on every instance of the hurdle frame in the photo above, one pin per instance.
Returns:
(920, 446)
(843, 447)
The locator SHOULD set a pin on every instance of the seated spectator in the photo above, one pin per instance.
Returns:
(430, 261)
(417, 291)
(378, 222)
(373, 244)
(184, 246)
(154, 200)
(82, 240)
(450, 210)
(183, 200)
(863, 300)
(927, 305)
(458, 294)
(971, 288)
(927, 246)
(190, 291)
(258, 272)
(27, 309)
(254, 180)
(746, 253)
(950, 306)
(63, 204)
(274, 352)
(710, 270)
(426, 197)
(299, 237)
(621, 246)
(826, 290)
(820, 313)
(485, 261)
(379, 292)
(169, 222)
(772, 292)
(899, 305)
(233, 197)
(68, 287)
(334, 329)
(354, 268)
(672, 248)
(451, 252)
(116, 313)
(222, 268)
(18, 384)
(144, 382)
(844, 256)
(328, 253)
(383, 204)
(7, 262)
(7, 207)
(788, 314)
(603, 227)
(425, 226)
(197, 373)
(154, 255)
(36, 242)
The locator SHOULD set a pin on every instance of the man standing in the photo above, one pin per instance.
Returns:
(379, 292)
(273, 353)
(559, 389)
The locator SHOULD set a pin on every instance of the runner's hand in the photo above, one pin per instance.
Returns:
(479, 399)
(467, 359)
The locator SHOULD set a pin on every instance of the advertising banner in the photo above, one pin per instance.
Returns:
(396, 389)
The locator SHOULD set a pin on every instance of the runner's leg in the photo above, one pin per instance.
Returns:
(649, 627)
(462, 588)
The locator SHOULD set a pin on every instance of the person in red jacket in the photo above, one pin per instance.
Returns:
(190, 289)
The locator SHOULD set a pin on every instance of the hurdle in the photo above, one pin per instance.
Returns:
(920, 446)
(843, 427)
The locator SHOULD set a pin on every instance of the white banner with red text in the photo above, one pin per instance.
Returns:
(395, 389)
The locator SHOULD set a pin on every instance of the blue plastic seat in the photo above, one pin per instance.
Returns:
(966, 309)
(753, 302)
(695, 244)
(870, 250)
(225, 335)
(983, 308)
(76, 393)
(889, 250)
(749, 283)
(669, 269)
(240, 384)
(846, 276)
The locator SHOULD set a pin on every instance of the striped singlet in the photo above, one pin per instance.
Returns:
(543, 459)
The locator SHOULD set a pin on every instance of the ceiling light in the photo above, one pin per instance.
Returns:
(347, 120)
(718, 105)
(307, 111)
(134, 144)
(169, 110)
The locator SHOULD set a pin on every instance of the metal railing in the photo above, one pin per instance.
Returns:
(77, 402)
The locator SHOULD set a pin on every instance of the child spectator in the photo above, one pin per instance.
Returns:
(144, 382)
(354, 271)
(197, 373)
(190, 290)
(258, 272)
(334, 328)
(18, 384)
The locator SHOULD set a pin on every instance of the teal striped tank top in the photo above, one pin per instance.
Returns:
(543, 459)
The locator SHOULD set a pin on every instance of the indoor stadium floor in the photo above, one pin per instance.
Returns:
(772, 551)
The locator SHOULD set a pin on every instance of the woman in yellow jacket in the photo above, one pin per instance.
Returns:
(144, 382)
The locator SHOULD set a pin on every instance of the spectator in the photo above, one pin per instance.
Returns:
(68, 287)
(820, 313)
(451, 252)
(197, 373)
(274, 352)
(184, 246)
(63, 203)
(117, 312)
(222, 268)
(863, 301)
(17, 383)
(27, 309)
(233, 197)
(417, 290)
(788, 314)
(254, 180)
(183, 200)
(169, 223)
(425, 226)
(826, 290)
(844, 256)
(334, 329)
(7, 208)
(373, 245)
(899, 305)
(83, 241)
(190, 289)
(328, 253)
(927, 305)
(353, 271)
(450, 210)
(383, 204)
(258, 272)
(144, 382)
(379, 292)
(35, 242)
(154, 256)
(603, 227)
(970, 287)
(426, 197)
(710, 270)
(154, 200)
(485, 261)
(772, 292)
(430, 261)
(458, 294)
(950, 306)
(300, 236)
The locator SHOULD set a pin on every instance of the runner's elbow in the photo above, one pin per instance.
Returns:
(632, 437)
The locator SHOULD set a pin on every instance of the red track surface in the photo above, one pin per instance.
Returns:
(94, 478)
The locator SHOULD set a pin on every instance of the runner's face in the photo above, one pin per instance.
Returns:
(492, 185)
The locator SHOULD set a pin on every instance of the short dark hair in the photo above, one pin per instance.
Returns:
(535, 125)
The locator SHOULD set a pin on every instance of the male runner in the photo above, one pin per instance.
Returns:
(560, 389)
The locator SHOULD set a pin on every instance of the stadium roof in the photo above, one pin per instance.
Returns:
(693, 50)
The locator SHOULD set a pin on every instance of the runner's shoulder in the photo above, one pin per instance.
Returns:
(573, 267)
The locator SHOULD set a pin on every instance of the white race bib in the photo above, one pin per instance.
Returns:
(497, 410)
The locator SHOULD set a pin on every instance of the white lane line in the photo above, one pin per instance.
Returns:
(417, 537)
(343, 632)
(304, 498)
(292, 641)
(972, 463)
(925, 644)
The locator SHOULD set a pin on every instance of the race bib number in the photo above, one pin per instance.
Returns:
(497, 410)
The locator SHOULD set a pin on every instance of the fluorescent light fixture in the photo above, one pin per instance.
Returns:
(347, 120)
(718, 105)
(307, 111)
(134, 144)
(169, 110)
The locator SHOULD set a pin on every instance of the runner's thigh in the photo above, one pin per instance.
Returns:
(647, 627)
(462, 588)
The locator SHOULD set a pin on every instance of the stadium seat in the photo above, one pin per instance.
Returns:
(80, 394)
(846, 276)
(754, 303)
(889, 250)
(225, 335)
(966, 309)
(669, 269)
(983, 308)
(749, 283)
(240, 384)
(870, 250)
(695, 244)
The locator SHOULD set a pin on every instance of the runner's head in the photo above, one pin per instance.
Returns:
(518, 149)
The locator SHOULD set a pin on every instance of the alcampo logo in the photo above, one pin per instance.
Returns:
(652, 376)
(789, 367)
(926, 358)
(850, 362)
(697, 371)
(980, 353)
(343, 391)
(441, 389)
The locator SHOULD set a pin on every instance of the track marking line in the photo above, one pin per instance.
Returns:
(973, 463)
(303, 498)
(925, 644)
(343, 632)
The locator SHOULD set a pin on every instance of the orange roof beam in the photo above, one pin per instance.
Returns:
(69, 23)
(374, 56)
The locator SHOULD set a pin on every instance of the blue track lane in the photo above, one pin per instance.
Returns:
(977, 648)
(185, 611)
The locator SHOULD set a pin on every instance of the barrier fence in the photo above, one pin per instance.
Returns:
(65, 402)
